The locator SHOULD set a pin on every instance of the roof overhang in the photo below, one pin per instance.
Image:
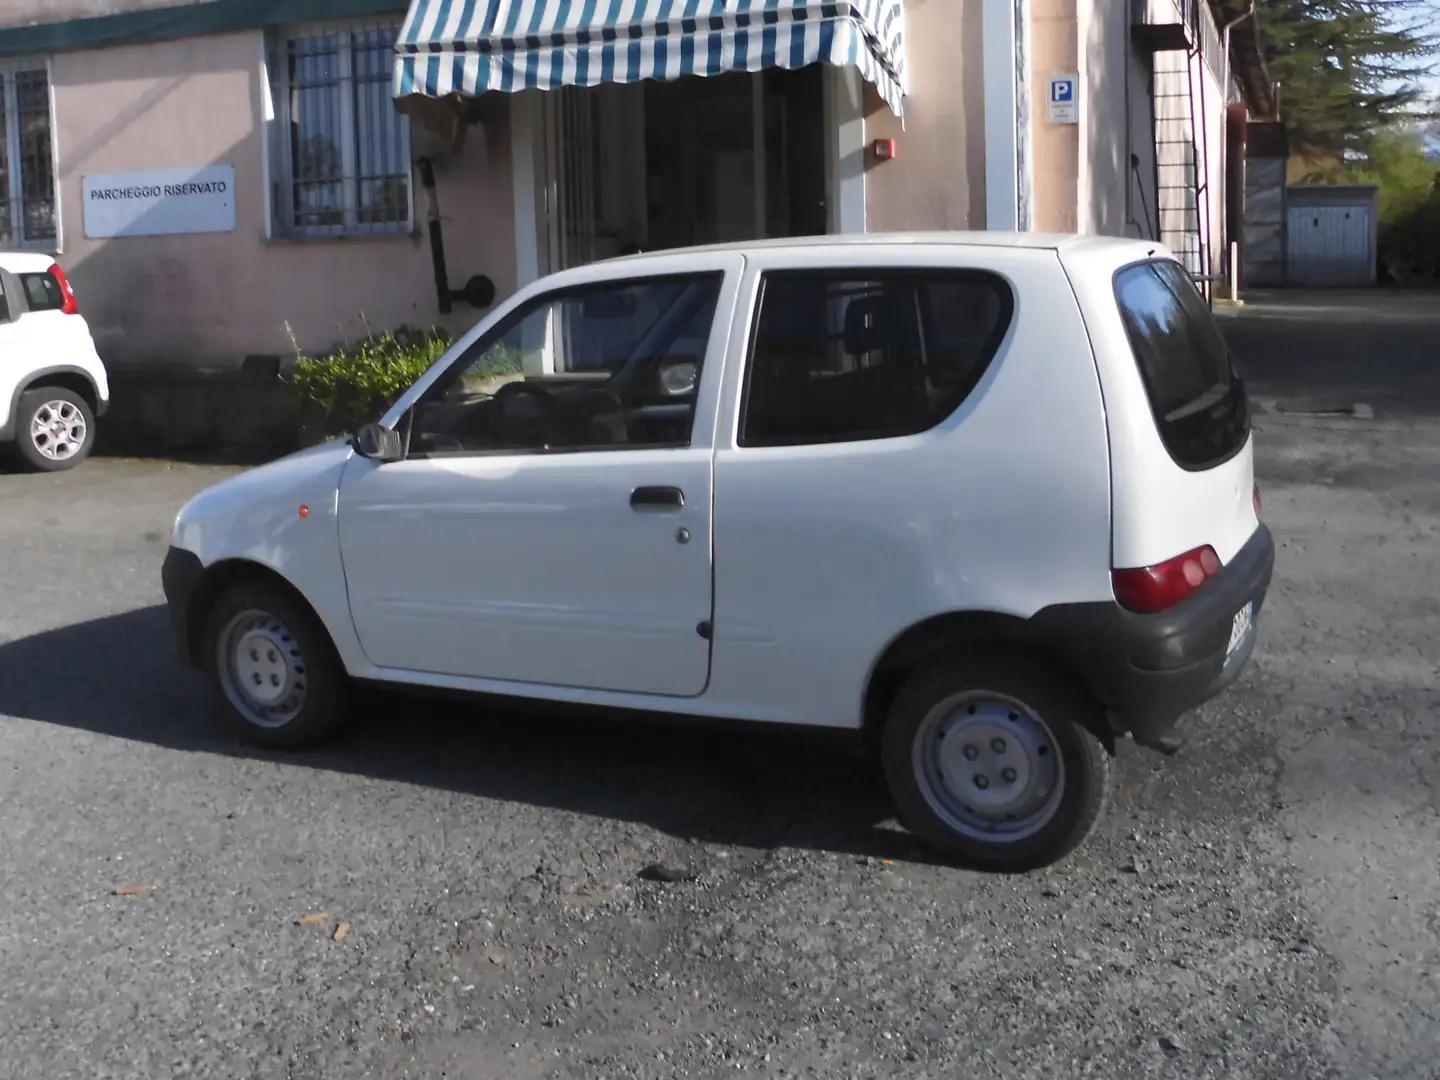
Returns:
(1247, 54)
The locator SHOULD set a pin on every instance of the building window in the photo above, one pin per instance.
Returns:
(27, 166)
(340, 156)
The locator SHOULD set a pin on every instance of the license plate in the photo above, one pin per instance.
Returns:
(1239, 627)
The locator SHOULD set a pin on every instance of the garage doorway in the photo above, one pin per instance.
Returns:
(1331, 234)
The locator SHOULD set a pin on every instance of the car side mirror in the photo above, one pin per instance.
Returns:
(378, 443)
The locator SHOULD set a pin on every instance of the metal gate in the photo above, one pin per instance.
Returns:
(1328, 245)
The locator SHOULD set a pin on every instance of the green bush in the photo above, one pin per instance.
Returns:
(1409, 183)
(356, 382)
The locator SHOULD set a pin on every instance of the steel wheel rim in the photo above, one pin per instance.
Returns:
(58, 429)
(262, 670)
(988, 766)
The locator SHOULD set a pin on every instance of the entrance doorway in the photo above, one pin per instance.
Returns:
(653, 165)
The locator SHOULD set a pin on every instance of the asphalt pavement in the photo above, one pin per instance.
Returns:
(451, 893)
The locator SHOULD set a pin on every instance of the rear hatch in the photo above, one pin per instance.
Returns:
(1182, 461)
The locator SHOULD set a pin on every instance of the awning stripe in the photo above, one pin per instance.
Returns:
(470, 46)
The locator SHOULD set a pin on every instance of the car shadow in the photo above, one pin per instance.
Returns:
(118, 676)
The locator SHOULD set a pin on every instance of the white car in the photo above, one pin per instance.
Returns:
(986, 500)
(52, 384)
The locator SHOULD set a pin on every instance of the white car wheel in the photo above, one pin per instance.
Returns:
(54, 429)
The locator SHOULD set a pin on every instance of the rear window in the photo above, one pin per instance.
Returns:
(1196, 393)
(42, 292)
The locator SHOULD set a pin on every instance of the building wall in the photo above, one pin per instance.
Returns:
(1055, 50)
(209, 300)
(1085, 178)
(938, 178)
(1119, 121)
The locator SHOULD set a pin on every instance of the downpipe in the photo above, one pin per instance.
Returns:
(479, 290)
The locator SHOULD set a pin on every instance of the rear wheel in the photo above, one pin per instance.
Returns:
(274, 676)
(989, 758)
(54, 429)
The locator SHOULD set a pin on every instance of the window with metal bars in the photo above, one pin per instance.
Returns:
(340, 152)
(27, 166)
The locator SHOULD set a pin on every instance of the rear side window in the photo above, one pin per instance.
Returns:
(1196, 393)
(42, 292)
(871, 354)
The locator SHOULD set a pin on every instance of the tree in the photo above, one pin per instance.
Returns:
(1347, 69)
(1396, 162)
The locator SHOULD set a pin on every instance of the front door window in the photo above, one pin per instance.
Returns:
(604, 366)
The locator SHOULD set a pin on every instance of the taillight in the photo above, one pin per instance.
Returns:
(71, 305)
(1148, 589)
(1255, 498)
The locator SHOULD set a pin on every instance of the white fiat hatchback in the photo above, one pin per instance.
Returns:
(987, 500)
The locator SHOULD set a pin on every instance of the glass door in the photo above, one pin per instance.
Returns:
(571, 144)
(658, 165)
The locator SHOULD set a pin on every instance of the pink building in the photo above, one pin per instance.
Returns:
(234, 177)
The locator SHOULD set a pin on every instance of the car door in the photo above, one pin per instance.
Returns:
(563, 539)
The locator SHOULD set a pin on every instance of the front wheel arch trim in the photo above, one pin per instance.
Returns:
(219, 576)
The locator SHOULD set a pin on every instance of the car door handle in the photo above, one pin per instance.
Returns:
(657, 498)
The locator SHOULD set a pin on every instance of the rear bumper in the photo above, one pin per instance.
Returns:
(179, 575)
(1149, 670)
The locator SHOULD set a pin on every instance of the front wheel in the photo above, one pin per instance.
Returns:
(274, 675)
(990, 759)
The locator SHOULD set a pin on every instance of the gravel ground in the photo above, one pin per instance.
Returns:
(451, 894)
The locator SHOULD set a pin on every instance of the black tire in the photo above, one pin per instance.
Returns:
(312, 676)
(72, 406)
(1078, 788)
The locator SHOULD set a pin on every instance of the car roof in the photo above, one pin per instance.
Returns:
(25, 262)
(1067, 242)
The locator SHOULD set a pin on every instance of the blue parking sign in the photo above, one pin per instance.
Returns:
(1062, 105)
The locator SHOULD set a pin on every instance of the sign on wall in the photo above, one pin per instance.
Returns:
(1062, 105)
(160, 202)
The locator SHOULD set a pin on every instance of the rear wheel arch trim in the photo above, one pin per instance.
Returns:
(74, 378)
(917, 643)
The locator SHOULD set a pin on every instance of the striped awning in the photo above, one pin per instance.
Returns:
(466, 47)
